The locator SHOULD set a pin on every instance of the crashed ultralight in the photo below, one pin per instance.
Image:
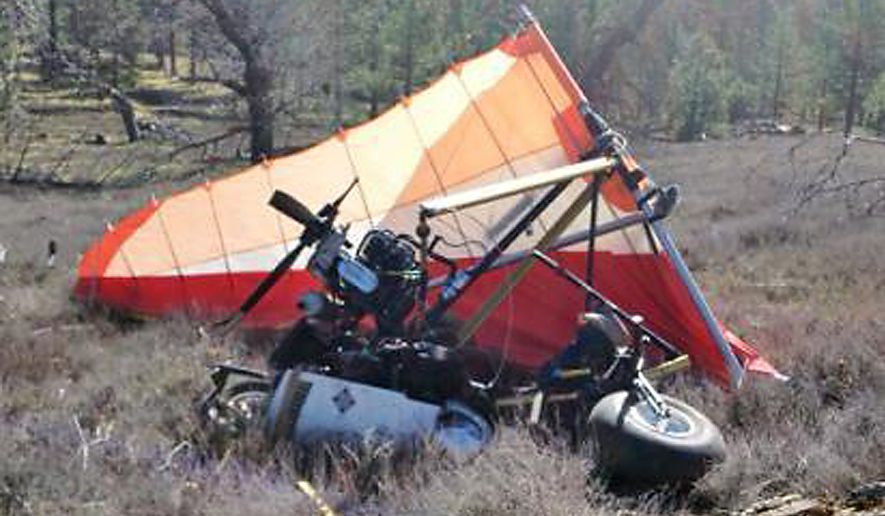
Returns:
(507, 113)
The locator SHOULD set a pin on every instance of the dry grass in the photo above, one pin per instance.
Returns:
(807, 290)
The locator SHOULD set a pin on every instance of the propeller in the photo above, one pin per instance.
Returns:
(315, 228)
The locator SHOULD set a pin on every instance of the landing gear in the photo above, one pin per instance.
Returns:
(637, 442)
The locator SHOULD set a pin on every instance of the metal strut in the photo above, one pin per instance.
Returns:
(560, 178)
(591, 242)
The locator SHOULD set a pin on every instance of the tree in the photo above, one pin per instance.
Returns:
(855, 67)
(49, 55)
(11, 26)
(111, 33)
(164, 19)
(697, 87)
(874, 105)
(7, 57)
(780, 39)
(607, 40)
(236, 23)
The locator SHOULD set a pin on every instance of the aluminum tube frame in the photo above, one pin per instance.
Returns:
(493, 192)
(516, 275)
(597, 295)
(464, 279)
(659, 230)
(631, 219)
(735, 370)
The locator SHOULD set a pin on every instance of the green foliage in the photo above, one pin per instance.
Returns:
(874, 105)
(397, 46)
(112, 35)
(691, 66)
(698, 90)
(6, 58)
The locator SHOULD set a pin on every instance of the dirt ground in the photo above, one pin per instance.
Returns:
(95, 417)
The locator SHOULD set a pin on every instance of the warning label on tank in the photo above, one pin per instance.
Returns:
(343, 400)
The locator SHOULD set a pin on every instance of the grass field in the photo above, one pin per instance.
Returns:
(96, 416)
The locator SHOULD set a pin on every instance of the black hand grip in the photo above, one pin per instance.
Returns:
(292, 207)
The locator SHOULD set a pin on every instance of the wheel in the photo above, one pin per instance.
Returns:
(461, 431)
(238, 407)
(634, 444)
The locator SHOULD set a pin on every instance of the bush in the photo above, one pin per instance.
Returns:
(874, 105)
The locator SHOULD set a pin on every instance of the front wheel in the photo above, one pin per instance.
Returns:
(636, 444)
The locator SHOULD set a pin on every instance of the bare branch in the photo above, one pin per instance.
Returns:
(230, 26)
(828, 181)
(233, 131)
(235, 86)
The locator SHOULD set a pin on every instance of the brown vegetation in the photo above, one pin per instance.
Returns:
(96, 416)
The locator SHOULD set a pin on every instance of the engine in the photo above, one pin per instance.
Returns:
(380, 279)
(393, 261)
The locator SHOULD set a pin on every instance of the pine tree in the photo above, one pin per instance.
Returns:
(698, 89)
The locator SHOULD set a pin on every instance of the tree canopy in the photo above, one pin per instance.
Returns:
(686, 68)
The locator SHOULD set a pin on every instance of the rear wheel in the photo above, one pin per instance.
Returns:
(237, 408)
(635, 444)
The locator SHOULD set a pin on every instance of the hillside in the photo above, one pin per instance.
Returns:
(96, 415)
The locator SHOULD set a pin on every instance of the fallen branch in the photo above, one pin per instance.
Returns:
(52, 182)
(828, 180)
(62, 328)
(102, 436)
(825, 176)
(233, 85)
(19, 167)
(233, 131)
(129, 109)
(867, 139)
(183, 445)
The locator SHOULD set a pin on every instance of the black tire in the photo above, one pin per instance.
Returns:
(630, 448)
(237, 408)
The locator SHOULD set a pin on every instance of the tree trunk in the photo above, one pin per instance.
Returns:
(338, 66)
(173, 68)
(53, 25)
(851, 107)
(778, 81)
(115, 69)
(8, 68)
(115, 63)
(374, 94)
(127, 113)
(455, 27)
(593, 77)
(409, 50)
(374, 65)
(259, 79)
(192, 55)
(51, 63)
(73, 24)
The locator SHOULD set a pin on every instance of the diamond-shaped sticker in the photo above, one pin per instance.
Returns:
(343, 400)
